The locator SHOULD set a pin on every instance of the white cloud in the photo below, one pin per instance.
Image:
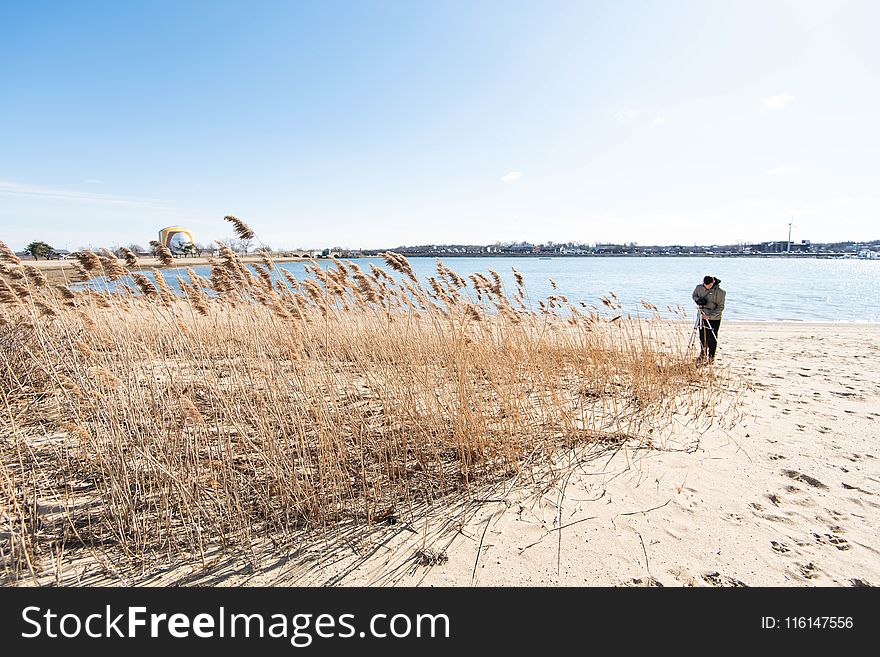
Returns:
(94, 181)
(785, 168)
(628, 115)
(511, 176)
(10, 188)
(660, 120)
(777, 102)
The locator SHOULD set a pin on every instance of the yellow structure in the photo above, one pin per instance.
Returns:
(178, 240)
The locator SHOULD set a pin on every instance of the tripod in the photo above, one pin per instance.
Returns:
(698, 326)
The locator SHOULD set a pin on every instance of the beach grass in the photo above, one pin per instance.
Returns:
(142, 427)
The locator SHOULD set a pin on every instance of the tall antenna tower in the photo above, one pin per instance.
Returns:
(788, 243)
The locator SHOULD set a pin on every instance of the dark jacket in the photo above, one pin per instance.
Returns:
(714, 300)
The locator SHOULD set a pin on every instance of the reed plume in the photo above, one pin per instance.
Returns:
(165, 292)
(14, 273)
(195, 296)
(65, 292)
(112, 266)
(81, 271)
(8, 255)
(130, 258)
(7, 293)
(267, 261)
(196, 280)
(163, 253)
(36, 276)
(88, 260)
(145, 285)
(290, 278)
(242, 230)
(265, 276)
(400, 264)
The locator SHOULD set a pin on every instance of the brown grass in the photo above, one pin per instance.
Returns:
(143, 428)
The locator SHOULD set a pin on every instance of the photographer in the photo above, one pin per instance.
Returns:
(710, 298)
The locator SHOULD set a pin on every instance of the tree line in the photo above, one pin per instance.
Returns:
(39, 249)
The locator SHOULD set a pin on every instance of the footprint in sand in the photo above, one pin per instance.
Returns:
(831, 539)
(807, 479)
(649, 581)
(861, 490)
(808, 570)
(782, 548)
(769, 517)
(759, 510)
(735, 518)
(717, 579)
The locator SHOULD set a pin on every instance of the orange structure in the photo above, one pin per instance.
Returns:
(178, 240)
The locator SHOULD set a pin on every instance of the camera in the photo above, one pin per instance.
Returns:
(702, 301)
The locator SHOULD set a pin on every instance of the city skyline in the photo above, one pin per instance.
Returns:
(569, 247)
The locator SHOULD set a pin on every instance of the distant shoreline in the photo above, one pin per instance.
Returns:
(818, 256)
(63, 271)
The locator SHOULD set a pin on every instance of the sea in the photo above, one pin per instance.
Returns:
(758, 289)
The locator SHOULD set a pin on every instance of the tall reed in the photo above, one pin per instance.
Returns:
(142, 428)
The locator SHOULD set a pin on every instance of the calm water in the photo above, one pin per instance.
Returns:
(768, 289)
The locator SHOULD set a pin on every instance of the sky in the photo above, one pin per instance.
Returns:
(368, 124)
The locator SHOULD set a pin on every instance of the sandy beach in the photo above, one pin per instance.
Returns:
(787, 497)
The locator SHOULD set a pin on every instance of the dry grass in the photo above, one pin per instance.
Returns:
(145, 428)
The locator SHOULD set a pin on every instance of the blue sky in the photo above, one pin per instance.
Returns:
(375, 124)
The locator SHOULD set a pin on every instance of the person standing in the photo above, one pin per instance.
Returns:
(710, 298)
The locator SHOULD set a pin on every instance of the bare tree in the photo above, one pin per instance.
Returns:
(238, 245)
